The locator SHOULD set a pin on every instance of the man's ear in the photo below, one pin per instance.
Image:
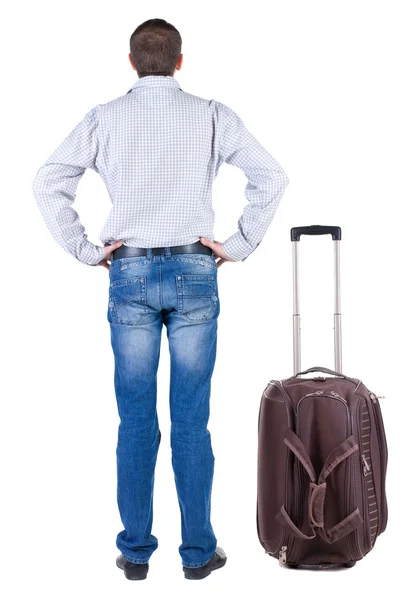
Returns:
(131, 61)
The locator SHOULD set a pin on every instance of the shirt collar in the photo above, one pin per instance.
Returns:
(155, 81)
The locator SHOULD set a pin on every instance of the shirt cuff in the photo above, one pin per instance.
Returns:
(236, 247)
(92, 255)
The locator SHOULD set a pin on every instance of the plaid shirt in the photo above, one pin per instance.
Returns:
(158, 150)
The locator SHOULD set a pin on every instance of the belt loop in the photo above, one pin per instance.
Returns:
(148, 253)
(168, 252)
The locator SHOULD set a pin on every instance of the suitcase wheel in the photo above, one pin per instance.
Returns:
(350, 564)
(292, 565)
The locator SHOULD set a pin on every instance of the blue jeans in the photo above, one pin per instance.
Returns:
(145, 292)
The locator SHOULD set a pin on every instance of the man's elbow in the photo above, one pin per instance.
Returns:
(282, 179)
(43, 187)
(278, 182)
(38, 185)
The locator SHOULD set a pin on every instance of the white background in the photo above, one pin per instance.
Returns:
(328, 88)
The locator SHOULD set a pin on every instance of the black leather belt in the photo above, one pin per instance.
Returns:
(130, 251)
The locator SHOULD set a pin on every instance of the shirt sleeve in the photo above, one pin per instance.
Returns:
(54, 189)
(265, 187)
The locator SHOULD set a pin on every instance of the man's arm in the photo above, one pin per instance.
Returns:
(55, 184)
(266, 182)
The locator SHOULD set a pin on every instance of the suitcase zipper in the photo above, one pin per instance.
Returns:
(366, 466)
(365, 470)
(331, 395)
(279, 384)
(383, 453)
(352, 540)
(351, 497)
(375, 398)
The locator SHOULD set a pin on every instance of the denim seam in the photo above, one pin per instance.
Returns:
(136, 561)
(195, 565)
(183, 259)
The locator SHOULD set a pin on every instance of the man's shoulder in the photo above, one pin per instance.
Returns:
(114, 103)
(198, 101)
(212, 102)
(122, 102)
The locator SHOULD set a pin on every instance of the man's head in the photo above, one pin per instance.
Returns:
(155, 48)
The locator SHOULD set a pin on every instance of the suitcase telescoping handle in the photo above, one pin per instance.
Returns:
(295, 235)
(296, 232)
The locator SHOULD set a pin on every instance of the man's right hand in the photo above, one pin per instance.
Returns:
(216, 247)
(107, 253)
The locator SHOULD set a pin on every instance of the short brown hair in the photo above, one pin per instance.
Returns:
(155, 47)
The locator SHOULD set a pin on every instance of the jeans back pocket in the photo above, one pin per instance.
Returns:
(127, 300)
(197, 296)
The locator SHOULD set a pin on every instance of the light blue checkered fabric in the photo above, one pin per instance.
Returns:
(158, 150)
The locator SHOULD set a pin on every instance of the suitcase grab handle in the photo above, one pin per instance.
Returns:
(296, 232)
(323, 370)
(317, 492)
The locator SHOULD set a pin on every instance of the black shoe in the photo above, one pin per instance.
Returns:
(217, 560)
(132, 570)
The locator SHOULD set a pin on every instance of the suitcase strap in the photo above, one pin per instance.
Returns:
(317, 492)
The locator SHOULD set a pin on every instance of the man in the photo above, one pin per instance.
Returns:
(158, 150)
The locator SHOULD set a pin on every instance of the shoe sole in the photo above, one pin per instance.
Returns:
(190, 575)
(138, 578)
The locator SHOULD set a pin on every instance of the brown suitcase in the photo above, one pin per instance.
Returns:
(322, 455)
